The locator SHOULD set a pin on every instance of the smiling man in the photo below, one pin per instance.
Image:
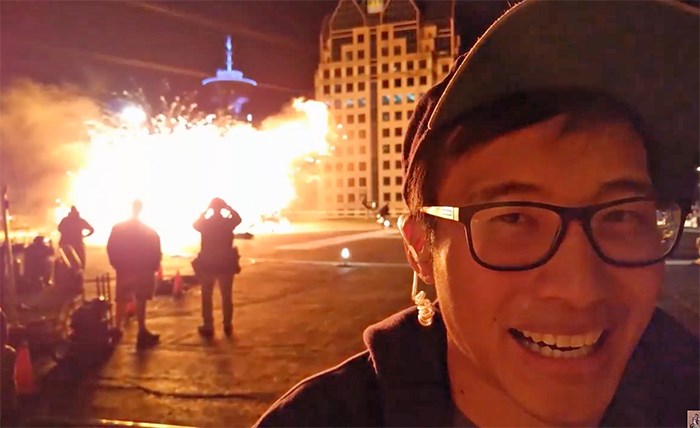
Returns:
(547, 178)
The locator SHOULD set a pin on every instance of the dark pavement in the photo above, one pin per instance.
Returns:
(296, 312)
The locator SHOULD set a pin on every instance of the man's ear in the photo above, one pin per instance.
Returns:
(415, 243)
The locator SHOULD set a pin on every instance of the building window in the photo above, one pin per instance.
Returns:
(351, 197)
(360, 38)
(339, 182)
(363, 149)
(386, 181)
(398, 115)
(326, 74)
(339, 166)
(411, 98)
(398, 196)
(362, 182)
(362, 166)
(386, 133)
(337, 103)
(397, 66)
(360, 86)
(397, 99)
(385, 35)
(336, 72)
(385, 165)
(373, 70)
(348, 87)
(351, 182)
(385, 84)
(351, 166)
(397, 50)
(339, 199)
(348, 56)
(410, 82)
(397, 148)
(422, 64)
(397, 131)
(386, 149)
(386, 100)
(326, 89)
(385, 52)
(361, 102)
(385, 68)
(423, 80)
(349, 103)
(360, 54)
(386, 116)
(348, 71)
(362, 118)
(362, 134)
(386, 197)
(351, 135)
(361, 70)
(397, 180)
(350, 119)
(397, 83)
(337, 88)
(446, 68)
(351, 150)
(409, 113)
(409, 65)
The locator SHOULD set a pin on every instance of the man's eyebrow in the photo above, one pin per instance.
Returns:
(626, 185)
(491, 192)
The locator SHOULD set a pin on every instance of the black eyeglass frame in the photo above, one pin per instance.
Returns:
(582, 214)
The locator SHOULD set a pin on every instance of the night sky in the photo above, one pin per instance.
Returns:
(167, 47)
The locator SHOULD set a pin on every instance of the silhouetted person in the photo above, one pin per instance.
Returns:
(217, 261)
(37, 264)
(73, 229)
(134, 252)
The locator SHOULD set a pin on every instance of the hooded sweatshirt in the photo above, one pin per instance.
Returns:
(401, 380)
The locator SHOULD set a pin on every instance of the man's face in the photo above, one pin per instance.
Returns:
(573, 299)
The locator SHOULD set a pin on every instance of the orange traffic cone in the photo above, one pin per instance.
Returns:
(177, 285)
(24, 372)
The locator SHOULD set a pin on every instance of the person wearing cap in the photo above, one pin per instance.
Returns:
(217, 262)
(547, 178)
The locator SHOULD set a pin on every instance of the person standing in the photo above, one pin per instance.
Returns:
(135, 254)
(73, 229)
(217, 261)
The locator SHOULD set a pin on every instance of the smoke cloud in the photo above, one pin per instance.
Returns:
(42, 137)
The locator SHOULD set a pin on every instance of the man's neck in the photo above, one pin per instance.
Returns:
(478, 399)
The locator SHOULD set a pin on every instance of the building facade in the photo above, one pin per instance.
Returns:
(377, 57)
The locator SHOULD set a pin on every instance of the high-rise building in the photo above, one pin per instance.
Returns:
(377, 57)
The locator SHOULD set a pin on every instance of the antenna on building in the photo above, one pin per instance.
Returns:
(229, 74)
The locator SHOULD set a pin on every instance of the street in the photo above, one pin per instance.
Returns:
(297, 310)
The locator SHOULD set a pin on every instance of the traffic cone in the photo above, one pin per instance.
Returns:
(24, 372)
(177, 285)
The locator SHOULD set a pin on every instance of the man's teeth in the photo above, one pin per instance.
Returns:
(564, 341)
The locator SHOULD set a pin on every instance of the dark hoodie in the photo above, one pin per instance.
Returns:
(401, 380)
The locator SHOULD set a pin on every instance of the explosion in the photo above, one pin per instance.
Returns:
(176, 164)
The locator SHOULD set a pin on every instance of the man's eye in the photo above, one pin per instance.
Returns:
(622, 216)
(512, 218)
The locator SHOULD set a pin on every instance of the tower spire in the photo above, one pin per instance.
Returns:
(229, 53)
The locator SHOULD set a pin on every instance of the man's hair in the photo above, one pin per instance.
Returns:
(520, 110)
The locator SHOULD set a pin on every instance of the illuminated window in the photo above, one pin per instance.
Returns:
(411, 98)
(397, 99)
(386, 100)
(349, 103)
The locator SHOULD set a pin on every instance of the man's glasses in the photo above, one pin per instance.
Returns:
(516, 236)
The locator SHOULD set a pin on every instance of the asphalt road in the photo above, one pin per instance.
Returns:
(297, 311)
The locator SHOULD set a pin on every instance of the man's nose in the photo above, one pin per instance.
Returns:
(575, 273)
